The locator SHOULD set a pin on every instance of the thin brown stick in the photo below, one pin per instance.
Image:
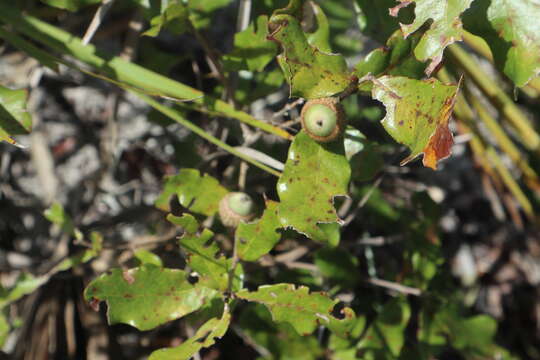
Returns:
(394, 286)
(97, 20)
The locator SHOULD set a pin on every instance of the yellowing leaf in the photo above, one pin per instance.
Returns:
(417, 115)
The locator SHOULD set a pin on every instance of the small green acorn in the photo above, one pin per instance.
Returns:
(236, 207)
(323, 119)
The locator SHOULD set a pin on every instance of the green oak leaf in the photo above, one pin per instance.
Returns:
(387, 332)
(417, 115)
(203, 256)
(199, 194)
(446, 27)
(298, 307)
(310, 72)
(258, 238)
(71, 5)
(320, 36)
(251, 49)
(147, 296)
(14, 118)
(512, 31)
(204, 337)
(396, 58)
(315, 173)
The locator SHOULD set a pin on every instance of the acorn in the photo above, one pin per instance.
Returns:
(236, 207)
(323, 119)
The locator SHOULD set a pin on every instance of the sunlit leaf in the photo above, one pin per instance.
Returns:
(318, 29)
(512, 31)
(417, 115)
(314, 174)
(204, 337)
(298, 307)
(147, 296)
(14, 118)
(199, 194)
(258, 238)
(446, 27)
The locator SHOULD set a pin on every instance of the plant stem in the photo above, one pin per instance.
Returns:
(497, 97)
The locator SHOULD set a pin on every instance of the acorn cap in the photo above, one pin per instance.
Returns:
(323, 119)
(236, 207)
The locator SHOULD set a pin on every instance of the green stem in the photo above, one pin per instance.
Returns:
(497, 97)
(124, 71)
